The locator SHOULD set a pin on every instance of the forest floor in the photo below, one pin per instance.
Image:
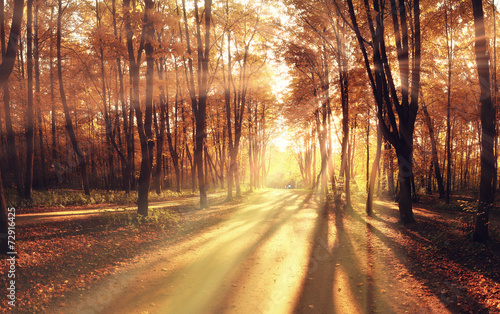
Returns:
(275, 251)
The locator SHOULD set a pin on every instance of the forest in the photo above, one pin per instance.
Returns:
(181, 116)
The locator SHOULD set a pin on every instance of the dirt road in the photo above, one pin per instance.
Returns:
(277, 253)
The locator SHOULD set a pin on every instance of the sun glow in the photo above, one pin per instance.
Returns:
(282, 138)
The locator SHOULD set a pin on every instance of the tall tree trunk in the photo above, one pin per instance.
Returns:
(127, 128)
(429, 178)
(234, 123)
(494, 98)
(30, 112)
(82, 165)
(8, 60)
(367, 156)
(390, 101)
(52, 94)
(488, 126)
(449, 48)
(389, 170)
(144, 127)
(174, 154)
(11, 139)
(222, 162)
(448, 152)
(37, 98)
(435, 159)
(405, 195)
(160, 131)
(313, 182)
(193, 168)
(250, 148)
(199, 103)
(322, 148)
(344, 92)
(227, 102)
(373, 175)
(108, 127)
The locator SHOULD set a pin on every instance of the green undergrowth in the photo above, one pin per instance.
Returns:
(457, 205)
(64, 198)
(163, 218)
(466, 213)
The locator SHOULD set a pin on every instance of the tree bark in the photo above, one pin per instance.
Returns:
(202, 102)
(435, 159)
(8, 60)
(227, 102)
(160, 129)
(449, 48)
(488, 126)
(127, 128)
(37, 98)
(143, 127)
(373, 174)
(81, 163)
(52, 94)
(344, 95)
(30, 112)
(494, 98)
(404, 177)
(391, 102)
(174, 154)
(199, 104)
(108, 127)
(367, 156)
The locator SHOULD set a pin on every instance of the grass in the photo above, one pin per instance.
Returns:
(162, 218)
(64, 198)
(466, 214)
(457, 205)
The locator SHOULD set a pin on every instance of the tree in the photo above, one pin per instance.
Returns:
(435, 161)
(173, 146)
(107, 120)
(373, 175)
(144, 124)
(199, 97)
(311, 65)
(399, 132)
(6, 68)
(79, 155)
(449, 55)
(11, 139)
(36, 55)
(126, 154)
(326, 37)
(30, 113)
(487, 124)
(239, 33)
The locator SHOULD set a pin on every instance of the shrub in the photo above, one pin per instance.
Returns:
(64, 198)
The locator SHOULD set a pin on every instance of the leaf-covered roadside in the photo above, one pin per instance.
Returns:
(441, 254)
(66, 199)
(56, 259)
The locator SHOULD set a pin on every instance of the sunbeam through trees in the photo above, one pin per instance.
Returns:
(228, 156)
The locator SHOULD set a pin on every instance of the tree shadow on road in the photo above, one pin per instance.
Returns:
(199, 282)
(437, 251)
(338, 281)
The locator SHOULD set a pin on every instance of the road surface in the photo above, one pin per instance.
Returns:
(277, 253)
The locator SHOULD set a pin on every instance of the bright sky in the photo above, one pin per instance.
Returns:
(282, 139)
